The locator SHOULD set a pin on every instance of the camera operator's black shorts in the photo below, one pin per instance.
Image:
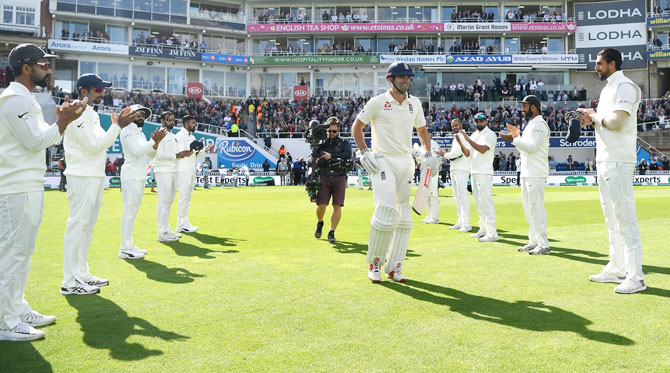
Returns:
(332, 186)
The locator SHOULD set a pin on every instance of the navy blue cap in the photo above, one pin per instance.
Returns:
(88, 81)
(196, 145)
(574, 119)
(25, 54)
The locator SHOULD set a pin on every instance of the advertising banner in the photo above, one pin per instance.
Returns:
(618, 24)
(312, 60)
(663, 54)
(237, 152)
(194, 90)
(230, 59)
(543, 26)
(81, 46)
(658, 21)
(545, 58)
(477, 27)
(300, 92)
(344, 27)
(417, 58)
(163, 52)
(458, 59)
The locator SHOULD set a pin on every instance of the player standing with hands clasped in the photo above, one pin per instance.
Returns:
(533, 145)
(616, 137)
(24, 136)
(481, 147)
(393, 116)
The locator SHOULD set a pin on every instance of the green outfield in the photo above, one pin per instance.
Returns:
(253, 290)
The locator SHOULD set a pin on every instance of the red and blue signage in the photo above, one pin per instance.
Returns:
(230, 59)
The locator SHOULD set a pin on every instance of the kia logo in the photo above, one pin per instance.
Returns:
(194, 90)
(300, 92)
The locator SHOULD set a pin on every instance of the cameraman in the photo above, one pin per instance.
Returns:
(333, 167)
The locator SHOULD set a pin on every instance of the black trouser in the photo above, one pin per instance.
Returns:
(63, 181)
(518, 178)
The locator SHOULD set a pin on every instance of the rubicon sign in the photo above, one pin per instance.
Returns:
(194, 90)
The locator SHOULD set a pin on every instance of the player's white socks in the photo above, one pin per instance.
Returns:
(398, 248)
(381, 231)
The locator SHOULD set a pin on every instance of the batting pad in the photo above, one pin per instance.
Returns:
(381, 231)
(398, 248)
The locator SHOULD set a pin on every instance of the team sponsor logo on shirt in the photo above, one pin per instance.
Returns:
(387, 106)
(411, 108)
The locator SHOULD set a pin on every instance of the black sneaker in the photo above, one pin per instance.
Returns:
(331, 236)
(319, 227)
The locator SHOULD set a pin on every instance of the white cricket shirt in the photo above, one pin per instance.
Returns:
(533, 145)
(86, 145)
(482, 163)
(136, 151)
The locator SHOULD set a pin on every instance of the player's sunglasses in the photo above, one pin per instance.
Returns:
(44, 65)
(98, 90)
(332, 131)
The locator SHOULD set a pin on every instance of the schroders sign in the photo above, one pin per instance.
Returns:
(344, 27)
(194, 90)
(81, 46)
(618, 24)
(300, 92)
(162, 52)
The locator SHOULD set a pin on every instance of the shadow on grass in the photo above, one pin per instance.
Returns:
(534, 316)
(106, 326)
(213, 240)
(186, 249)
(161, 273)
(22, 357)
(520, 237)
(344, 247)
(586, 256)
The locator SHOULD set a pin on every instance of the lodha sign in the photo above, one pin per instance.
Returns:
(194, 90)
(300, 92)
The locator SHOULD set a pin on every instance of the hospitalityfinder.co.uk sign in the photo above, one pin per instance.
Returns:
(312, 60)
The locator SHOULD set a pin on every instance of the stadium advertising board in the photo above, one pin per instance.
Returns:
(312, 60)
(81, 46)
(230, 59)
(417, 58)
(554, 142)
(194, 90)
(477, 27)
(460, 59)
(300, 92)
(618, 24)
(663, 54)
(237, 152)
(545, 58)
(658, 21)
(161, 52)
(344, 27)
(543, 26)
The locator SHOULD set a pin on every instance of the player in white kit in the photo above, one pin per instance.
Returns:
(459, 172)
(433, 202)
(393, 116)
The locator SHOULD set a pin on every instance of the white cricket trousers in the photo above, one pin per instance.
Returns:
(615, 183)
(532, 200)
(20, 218)
(167, 189)
(459, 185)
(84, 195)
(186, 185)
(131, 193)
(482, 189)
(434, 196)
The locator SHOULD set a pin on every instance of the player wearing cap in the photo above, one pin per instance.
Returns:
(533, 146)
(24, 136)
(616, 135)
(186, 172)
(86, 146)
(166, 168)
(480, 147)
(393, 116)
(136, 149)
(459, 172)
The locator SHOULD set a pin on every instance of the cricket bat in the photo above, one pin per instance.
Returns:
(421, 197)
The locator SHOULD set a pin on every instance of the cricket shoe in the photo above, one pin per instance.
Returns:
(526, 248)
(540, 251)
(606, 277)
(396, 275)
(35, 319)
(426, 219)
(21, 332)
(630, 286)
(456, 227)
(80, 289)
(465, 229)
(130, 254)
(167, 237)
(140, 250)
(374, 274)
(489, 238)
(480, 233)
(97, 281)
(175, 234)
(433, 221)
(187, 229)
